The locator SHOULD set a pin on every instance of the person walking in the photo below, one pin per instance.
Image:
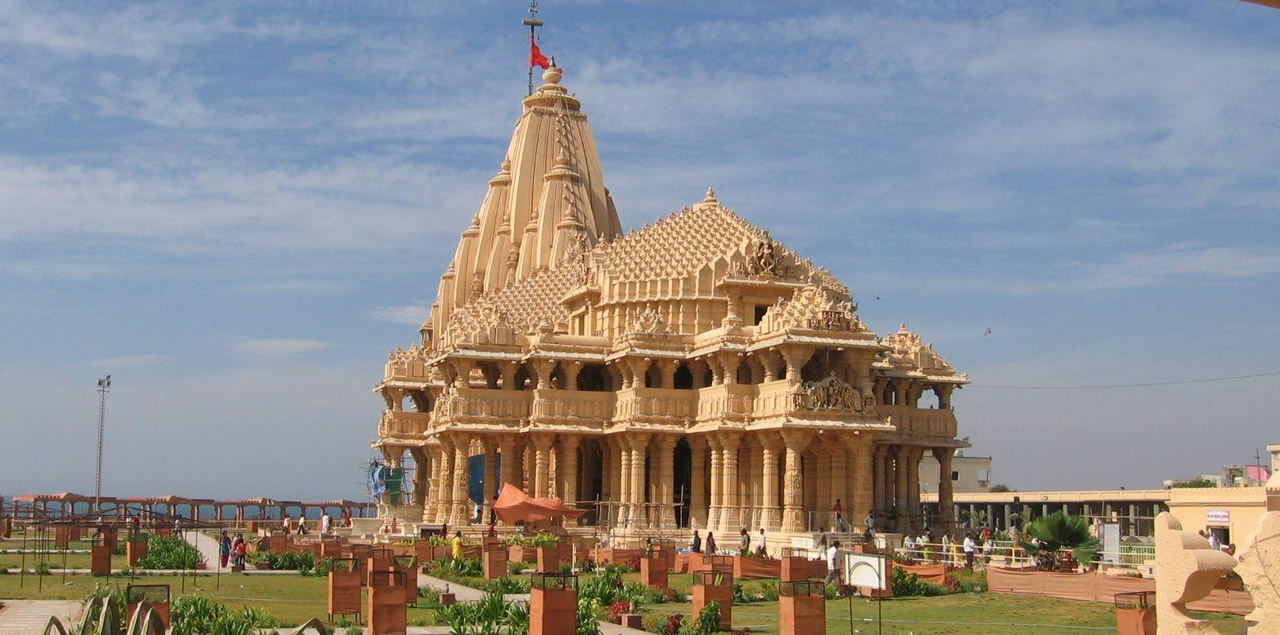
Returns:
(837, 512)
(457, 546)
(744, 542)
(325, 523)
(969, 549)
(224, 550)
(695, 545)
(760, 544)
(711, 544)
(833, 563)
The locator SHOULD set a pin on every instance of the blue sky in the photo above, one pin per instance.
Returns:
(237, 209)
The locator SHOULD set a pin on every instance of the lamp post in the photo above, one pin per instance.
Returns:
(104, 385)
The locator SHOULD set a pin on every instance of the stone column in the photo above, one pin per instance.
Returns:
(717, 481)
(639, 449)
(461, 479)
(622, 482)
(510, 466)
(946, 504)
(756, 462)
(793, 481)
(542, 465)
(730, 501)
(569, 469)
(492, 476)
(444, 502)
(666, 481)
(668, 369)
(430, 500)
(571, 370)
(824, 498)
(862, 476)
(543, 368)
(878, 471)
(697, 483)
(901, 487)
(913, 488)
(839, 479)
(771, 512)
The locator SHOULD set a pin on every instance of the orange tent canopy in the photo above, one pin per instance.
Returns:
(514, 505)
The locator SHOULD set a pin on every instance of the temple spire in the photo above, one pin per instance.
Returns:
(535, 54)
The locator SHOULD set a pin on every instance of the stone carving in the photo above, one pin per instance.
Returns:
(828, 394)
(764, 258)
(1259, 565)
(649, 323)
(1186, 571)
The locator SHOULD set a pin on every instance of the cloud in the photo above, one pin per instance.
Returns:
(309, 287)
(278, 346)
(410, 314)
(125, 361)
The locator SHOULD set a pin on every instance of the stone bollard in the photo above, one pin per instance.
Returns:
(388, 613)
(653, 571)
(802, 608)
(344, 588)
(379, 560)
(495, 561)
(100, 559)
(553, 603)
(405, 565)
(548, 559)
(714, 586)
(136, 549)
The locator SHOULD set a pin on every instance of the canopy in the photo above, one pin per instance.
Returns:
(514, 505)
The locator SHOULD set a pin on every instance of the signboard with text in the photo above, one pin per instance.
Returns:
(1218, 516)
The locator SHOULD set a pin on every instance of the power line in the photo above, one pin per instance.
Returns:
(1141, 385)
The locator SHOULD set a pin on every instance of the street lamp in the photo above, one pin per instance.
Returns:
(104, 385)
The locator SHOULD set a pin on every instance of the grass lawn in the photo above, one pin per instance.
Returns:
(293, 599)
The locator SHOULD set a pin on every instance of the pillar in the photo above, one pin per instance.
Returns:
(755, 461)
(824, 499)
(839, 466)
(542, 465)
(510, 464)
(622, 482)
(901, 460)
(717, 481)
(639, 450)
(863, 472)
(444, 504)
(946, 506)
(913, 487)
(571, 371)
(461, 479)
(491, 475)
(570, 468)
(730, 500)
(878, 486)
(666, 480)
(793, 482)
(697, 483)
(771, 512)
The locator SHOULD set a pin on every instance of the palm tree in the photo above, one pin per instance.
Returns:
(974, 519)
(1046, 536)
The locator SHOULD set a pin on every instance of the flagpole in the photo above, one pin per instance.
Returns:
(533, 22)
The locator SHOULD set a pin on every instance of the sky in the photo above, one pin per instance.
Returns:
(236, 209)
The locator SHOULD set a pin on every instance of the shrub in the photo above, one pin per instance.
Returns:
(515, 568)
(198, 615)
(566, 567)
(708, 620)
(633, 564)
(169, 552)
(588, 617)
(507, 585)
(671, 595)
(970, 581)
(769, 590)
(616, 610)
(602, 588)
(42, 568)
(674, 624)
(910, 585)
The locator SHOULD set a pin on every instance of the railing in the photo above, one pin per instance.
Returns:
(773, 399)
(486, 405)
(574, 406)
(656, 403)
(921, 421)
(401, 424)
(726, 401)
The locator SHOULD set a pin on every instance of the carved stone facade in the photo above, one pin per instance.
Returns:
(692, 373)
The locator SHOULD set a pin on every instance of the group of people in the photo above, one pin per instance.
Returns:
(923, 546)
(232, 550)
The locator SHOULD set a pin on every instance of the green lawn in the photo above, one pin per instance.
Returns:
(292, 599)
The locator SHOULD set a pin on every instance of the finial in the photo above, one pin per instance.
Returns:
(552, 75)
(562, 158)
(711, 196)
(506, 164)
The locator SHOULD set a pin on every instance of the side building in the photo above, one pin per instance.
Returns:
(694, 373)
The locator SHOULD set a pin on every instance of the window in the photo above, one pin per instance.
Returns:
(760, 310)
(955, 476)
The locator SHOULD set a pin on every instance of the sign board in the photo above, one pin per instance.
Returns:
(1109, 533)
(868, 570)
(1218, 516)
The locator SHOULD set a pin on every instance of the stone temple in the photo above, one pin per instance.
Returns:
(694, 373)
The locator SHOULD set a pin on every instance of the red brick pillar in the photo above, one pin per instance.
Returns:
(553, 603)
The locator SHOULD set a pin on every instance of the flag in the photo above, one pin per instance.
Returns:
(536, 58)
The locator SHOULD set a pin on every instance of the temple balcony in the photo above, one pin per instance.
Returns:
(489, 406)
(668, 405)
(403, 425)
(774, 399)
(726, 401)
(921, 422)
(572, 407)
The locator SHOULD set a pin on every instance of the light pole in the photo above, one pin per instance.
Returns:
(104, 385)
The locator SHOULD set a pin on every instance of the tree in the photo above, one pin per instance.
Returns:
(974, 519)
(1195, 483)
(1000, 488)
(1047, 536)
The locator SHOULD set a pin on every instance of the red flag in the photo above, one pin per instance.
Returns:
(536, 58)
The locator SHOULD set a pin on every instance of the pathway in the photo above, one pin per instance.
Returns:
(208, 547)
(23, 617)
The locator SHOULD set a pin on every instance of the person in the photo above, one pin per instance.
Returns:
(284, 523)
(224, 550)
(695, 545)
(135, 526)
(870, 523)
(760, 544)
(833, 563)
(325, 522)
(711, 544)
(838, 512)
(744, 542)
(969, 549)
(988, 547)
(238, 548)
(822, 538)
(493, 511)
(909, 545)
(477, 512)
(1214, 543)
(302, 525)
(395, 525)
(648, 547)
(457, 546)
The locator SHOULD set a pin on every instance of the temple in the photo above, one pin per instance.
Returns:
(693, 373)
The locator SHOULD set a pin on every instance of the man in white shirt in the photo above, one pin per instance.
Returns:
(969, 548)
(1214, 543)
(909, 545)
(833, 563)
(760, 544)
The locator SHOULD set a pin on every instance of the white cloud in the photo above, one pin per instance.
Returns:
(410, 314)
(278, 346)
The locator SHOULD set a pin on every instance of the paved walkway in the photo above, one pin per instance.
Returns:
(208, 547)
(23, 617)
